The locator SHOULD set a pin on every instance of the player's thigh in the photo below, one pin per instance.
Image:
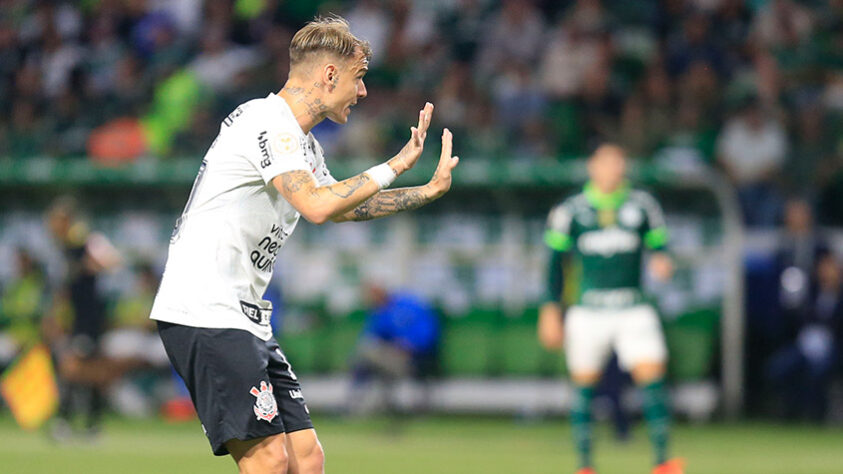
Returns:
(639, 343)
(588, 338)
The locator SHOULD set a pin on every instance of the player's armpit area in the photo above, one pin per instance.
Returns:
(386, 203)
(319, 204)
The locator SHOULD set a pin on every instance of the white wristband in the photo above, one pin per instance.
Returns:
(382, 174)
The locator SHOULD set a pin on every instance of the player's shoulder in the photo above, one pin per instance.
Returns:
(261, 112)
(642, 198)
(572, 202)
(565, 209)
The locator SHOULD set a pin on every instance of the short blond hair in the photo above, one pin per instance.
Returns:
(329, 34)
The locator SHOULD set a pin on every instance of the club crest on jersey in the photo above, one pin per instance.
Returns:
(266, 408)
(285, 144)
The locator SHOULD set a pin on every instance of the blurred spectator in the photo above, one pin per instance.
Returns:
(802, 369)
(781, 21)
(219, 62)
(399, 342)
(751, 149)
(812, 147)
(514, 33)
(568, 55)
(695, 44)
(801, 249)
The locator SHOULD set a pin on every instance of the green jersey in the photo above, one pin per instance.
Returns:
(607, 235)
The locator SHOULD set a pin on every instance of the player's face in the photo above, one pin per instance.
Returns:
(607, 168)
(348, 88)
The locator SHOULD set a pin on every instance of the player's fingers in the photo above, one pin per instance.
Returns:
(455, 160)
(447, 144)
(428, 115)
(414, 136)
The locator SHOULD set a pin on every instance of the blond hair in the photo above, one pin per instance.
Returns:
(329, 34)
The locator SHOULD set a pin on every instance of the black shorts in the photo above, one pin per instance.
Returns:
(242, 386)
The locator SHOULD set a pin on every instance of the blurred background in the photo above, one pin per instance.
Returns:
(731, 109)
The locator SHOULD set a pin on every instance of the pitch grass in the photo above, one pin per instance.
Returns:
(434, 445)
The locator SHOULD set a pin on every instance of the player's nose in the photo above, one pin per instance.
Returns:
(361, 90)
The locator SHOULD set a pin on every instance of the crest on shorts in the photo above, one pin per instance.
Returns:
(266, 408)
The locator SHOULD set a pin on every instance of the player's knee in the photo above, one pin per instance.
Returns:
(312, 460)
(585, 378)
(270, 457)
(648, 372)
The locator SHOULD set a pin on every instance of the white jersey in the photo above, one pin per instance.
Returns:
(225, 243)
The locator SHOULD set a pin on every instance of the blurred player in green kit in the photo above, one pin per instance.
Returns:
(606, 229)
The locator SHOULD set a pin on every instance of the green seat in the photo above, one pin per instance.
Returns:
(466, 349)
(302, 350)
(691, 341)
(345, 333)
(522, 354)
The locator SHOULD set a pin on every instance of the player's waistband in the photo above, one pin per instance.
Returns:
(611, 298)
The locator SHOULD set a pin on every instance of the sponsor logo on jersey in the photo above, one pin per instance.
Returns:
(255, 313)
(264, 147)
(296, 394)
(266, 408)
(608, 242)
(263, 257)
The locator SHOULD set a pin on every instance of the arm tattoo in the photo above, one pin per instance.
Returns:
(386, 203)
(346, 188)
(296, 181)
(293, 181)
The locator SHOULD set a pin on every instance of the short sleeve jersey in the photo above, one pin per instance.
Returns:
(224, 245)
(607, 239)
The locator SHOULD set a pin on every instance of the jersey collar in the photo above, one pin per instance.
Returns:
(285, 109)
(601, 200)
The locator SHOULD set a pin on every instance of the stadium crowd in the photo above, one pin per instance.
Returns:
(752, 86)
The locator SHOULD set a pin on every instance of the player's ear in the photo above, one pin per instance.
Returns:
(330, 75)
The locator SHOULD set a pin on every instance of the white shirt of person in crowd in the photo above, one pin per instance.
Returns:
(752, 153)
(224, 245)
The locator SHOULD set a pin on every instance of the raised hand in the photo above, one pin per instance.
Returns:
(409, 155)
(440, 183)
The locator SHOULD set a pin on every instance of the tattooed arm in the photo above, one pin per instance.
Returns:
(319, 204)
(388, 202)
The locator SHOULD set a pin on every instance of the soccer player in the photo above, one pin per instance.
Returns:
(606, 229)
(263, 171)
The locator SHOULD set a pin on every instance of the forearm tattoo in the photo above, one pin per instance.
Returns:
(389, 202)
(296, 181)
(346, 188)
